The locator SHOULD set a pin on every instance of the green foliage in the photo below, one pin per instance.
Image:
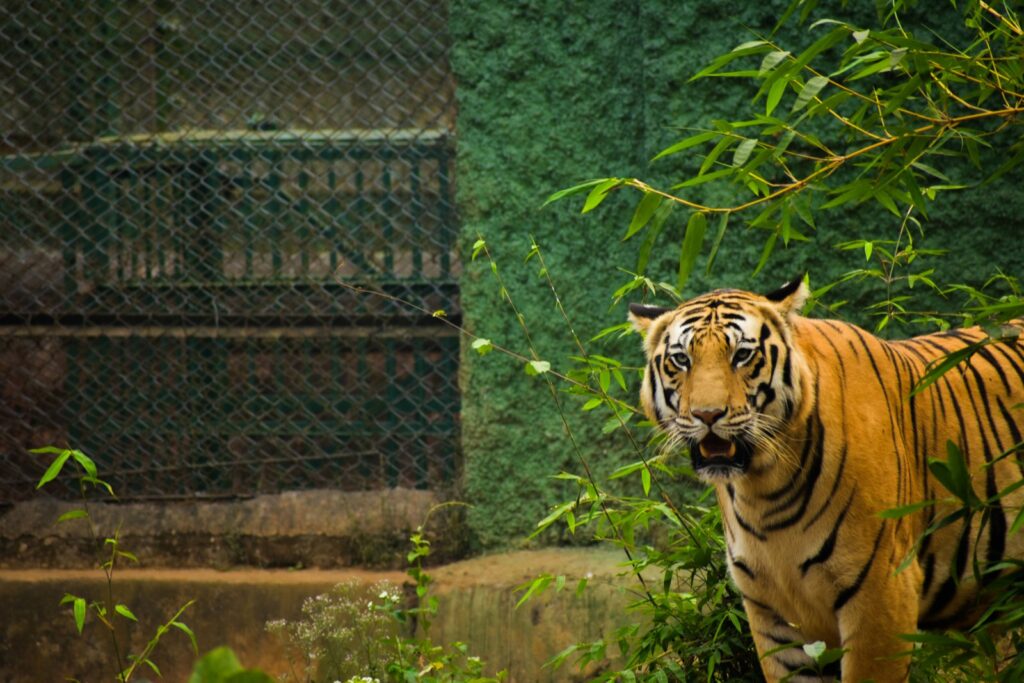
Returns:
(221, 665)
(358, 637)
(344, 633)
(689, 623)
(107, 611)
(861, 115)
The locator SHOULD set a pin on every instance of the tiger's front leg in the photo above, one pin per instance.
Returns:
(771, 632)
(871, 622)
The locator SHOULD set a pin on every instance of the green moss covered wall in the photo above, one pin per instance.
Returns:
(551, 93)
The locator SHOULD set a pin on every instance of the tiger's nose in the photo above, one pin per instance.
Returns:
(708, 417)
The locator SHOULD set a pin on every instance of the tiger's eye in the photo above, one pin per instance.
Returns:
(742, 355)
(680, 360)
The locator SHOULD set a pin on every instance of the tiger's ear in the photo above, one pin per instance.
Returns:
(791, 297)
(643, 316)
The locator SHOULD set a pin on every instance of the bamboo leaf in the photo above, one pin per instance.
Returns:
(775, 94)
(742, 152)
(769, 245)
(72, 514)
(78, 609)
(54, 469)
(772, 60)
(575, 189)
(125, 612)
(693, 241)
(723, 223)
(644, 211)
(810, 90)
(599, 194)
(687, 143)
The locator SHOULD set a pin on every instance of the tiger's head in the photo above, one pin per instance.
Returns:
(723, 376)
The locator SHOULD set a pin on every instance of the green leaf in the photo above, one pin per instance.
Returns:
(693, 240)
(810, 90)
(78, 609)
(742, 152)
(482, 346)
(725, 143)
(775, 94)
(72, 514)
(645, 479)
(188, 632)
(215, 666)
(628, 469)
(749, 48)
(644, 211)
(772, 60)
(52, 450)
(702, 178)
(904, 510)
(599, 194)
(86, 462)
(125, 612)
(938, 369)
(687, 143)
(769, 245)
(478, 246)
(575, 189)
(657, 224)
(54, 469)
(152, 665)
(537, 367)
(723, 223)
(815, 649)
(537, 586)
(128, 556)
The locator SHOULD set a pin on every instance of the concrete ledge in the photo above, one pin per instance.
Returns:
(326, 529)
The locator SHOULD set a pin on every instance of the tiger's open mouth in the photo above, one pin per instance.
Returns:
(716, 456)
(714, 446)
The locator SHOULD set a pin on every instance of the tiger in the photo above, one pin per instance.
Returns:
(807, 429)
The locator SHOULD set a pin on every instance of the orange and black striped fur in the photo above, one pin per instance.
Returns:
(806, 430)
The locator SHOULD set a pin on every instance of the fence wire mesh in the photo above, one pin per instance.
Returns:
(189, 190)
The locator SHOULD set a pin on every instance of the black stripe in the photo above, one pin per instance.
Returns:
(778, 640)
(1011, 424)
(929, 571)
(655, 379)
(773, 496)
(1008, 358)
(829, 545)
(847, 593)
(832, 492)
(830, 669)
(742, 566)
(986, 355)
(807, 490)
(996, 515)
(861, 336)
(746, 526)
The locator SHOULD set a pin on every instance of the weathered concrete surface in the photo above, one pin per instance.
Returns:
(326, 529)
(38, 641)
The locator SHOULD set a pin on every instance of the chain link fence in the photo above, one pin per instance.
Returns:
(192, 194)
